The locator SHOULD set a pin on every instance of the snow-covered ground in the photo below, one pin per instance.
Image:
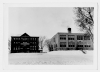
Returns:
(52, 58)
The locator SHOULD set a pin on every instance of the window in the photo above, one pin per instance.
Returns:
(80, 45)
(14, 38)
(71, 45)
(79, 37)
(86, 37)
(34, 38)
(70, 38)
(21, 38)
(71, 35)
(87, 45)
(62, 37)
(62, 44)
(25, 38)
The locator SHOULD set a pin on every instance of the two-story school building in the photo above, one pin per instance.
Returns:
(71, 41)
(24, 43)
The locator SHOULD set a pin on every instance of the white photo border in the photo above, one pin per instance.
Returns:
(48, 67)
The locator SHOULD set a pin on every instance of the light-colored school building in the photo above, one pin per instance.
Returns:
(71, 41)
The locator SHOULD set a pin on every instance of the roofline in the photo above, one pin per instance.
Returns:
(25, 36)
(69, 33)
(54, 35)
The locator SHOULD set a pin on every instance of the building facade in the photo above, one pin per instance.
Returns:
(71, 41)
(24, 43)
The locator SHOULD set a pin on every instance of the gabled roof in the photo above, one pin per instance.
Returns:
(25, 35)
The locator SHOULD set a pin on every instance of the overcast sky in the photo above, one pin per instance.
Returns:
(41, 21)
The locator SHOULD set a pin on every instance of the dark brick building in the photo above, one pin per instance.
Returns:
(24, 43)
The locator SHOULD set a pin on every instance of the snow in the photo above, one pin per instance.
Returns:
(52, 58)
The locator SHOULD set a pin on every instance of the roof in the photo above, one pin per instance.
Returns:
(71, 33)
(25, 35)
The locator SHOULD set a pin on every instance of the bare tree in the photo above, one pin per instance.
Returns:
(41, 41)
(85, 19)
(48, 43)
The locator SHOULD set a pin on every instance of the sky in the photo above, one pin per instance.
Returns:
(41, 21)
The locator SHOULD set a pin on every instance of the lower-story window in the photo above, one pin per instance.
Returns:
(80, 45)
(71, 45)
(62, 44)
(87, 46)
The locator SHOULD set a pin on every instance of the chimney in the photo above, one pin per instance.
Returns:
(69, 30)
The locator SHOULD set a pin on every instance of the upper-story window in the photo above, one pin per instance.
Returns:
(31, 38)
(79, 37)
(71, 37)
(34, 38)
(14, 38)
(86, 37)
(62, 37)
(18, 38)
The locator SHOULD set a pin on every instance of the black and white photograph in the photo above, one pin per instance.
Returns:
(51, 35)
